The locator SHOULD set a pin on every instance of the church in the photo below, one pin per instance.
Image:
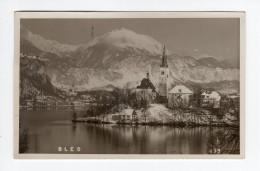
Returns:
(179, 97)
(146, 92)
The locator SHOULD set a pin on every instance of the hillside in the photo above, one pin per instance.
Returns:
(34, 81)
(46, 45)
(121, 58)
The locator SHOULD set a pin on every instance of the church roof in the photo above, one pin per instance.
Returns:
(180, 89)
(146, 84)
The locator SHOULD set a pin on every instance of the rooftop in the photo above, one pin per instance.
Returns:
(180, 89)
(146, 84)
(211, 95)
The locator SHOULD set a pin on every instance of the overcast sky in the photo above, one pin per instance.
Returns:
(218, 38)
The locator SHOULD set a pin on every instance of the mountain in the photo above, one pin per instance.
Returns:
(28, 48)
(46, 45)
(212, 62)
(121, 58)
(115, 46)
(34, 79)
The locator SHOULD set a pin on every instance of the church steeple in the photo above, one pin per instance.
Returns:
(164, 59)
(163, 50)
(147, 75)
(163, 78)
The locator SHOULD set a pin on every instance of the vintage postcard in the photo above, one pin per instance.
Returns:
(114, 85)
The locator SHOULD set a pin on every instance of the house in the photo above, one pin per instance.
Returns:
(72, 91)
(125, 115)
(134, 115)
(179, 97)
(233, 96)
(29, 103)
(234, 103)
(210, 99)
(145, 92)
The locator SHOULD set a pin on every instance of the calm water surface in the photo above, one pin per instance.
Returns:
(50, 129)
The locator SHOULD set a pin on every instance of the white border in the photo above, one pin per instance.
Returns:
(252, 150)
(22, 15)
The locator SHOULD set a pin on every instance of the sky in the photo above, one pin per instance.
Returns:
(197, 37)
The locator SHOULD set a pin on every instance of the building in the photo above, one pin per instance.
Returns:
(145, 92)
(163, 78)
(210, 99)
(72, 91)
(125, 115)
(179, 97)
(29, 103)
(233, 101)
(233, 96)
(134, 115)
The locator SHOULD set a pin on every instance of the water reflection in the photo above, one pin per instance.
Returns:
(49, 130)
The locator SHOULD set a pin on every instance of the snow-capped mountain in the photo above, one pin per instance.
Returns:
(124, 38)
(122, 58)
(46, 45)
(115, 46)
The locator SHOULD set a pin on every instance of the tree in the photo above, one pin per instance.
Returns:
(197, 96)
(145, 113)
(74, 116)
(116, 94)
(161, 115)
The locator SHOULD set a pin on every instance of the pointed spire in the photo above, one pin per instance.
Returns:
(164, 59)
(92, 31)
(164, 50)
(147, 75)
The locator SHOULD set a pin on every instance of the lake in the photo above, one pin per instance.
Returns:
(51, 131)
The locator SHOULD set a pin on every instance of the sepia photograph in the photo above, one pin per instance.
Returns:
(121, 83)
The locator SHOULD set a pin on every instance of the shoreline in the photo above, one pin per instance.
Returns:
(181, 124)
(157, 114)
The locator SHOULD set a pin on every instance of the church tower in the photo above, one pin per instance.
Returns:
(163, 77)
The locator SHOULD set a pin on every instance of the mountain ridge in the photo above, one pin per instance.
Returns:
(46, 45)
(118, 58)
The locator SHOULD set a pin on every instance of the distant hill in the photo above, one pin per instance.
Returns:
(212, 62)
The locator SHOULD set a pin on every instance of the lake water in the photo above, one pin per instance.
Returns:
(49, 130)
